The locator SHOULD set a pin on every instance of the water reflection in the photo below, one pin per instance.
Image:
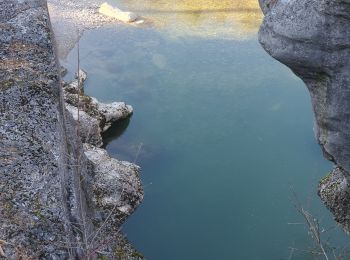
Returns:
(203, 18)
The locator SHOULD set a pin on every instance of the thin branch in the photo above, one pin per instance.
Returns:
(138, 152)
(312, 223)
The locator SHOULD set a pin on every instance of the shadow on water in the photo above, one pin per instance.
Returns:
(115, 131)
(122, 146)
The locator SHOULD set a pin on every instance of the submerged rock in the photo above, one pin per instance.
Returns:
(114, 12)
(312, 38)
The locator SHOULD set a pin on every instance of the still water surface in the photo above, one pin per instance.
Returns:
(220, 129)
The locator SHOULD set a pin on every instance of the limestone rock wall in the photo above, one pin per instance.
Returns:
(50, 207)
(312, 37)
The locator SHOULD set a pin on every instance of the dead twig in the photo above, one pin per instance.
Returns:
(312, 223)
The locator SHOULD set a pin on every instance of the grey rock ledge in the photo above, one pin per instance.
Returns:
(312, 37)
(95, 117)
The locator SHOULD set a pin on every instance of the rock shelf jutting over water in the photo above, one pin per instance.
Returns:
(313, 39)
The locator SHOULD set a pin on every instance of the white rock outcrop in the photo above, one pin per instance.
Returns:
(94, 117)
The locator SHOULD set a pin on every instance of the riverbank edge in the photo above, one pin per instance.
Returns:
(59, 199)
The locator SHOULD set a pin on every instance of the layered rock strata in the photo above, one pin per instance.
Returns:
(59, 199)
(312, 38)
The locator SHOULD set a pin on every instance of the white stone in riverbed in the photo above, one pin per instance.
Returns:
(114, 12)
(112, 111)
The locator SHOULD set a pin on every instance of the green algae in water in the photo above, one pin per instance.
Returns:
(224, 130)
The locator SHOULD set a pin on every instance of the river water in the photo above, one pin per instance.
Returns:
(221, 130)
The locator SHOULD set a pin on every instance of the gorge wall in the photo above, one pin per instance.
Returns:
(312, 38)
(59, 198)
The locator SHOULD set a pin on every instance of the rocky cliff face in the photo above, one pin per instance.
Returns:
(312, 37)
(59, 198)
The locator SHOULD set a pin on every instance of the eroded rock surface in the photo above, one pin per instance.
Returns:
(48, 205)
(33, 216)
(95, 117)
(116, 183)
(312, 38)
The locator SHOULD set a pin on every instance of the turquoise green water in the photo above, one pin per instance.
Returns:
(221, 131)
